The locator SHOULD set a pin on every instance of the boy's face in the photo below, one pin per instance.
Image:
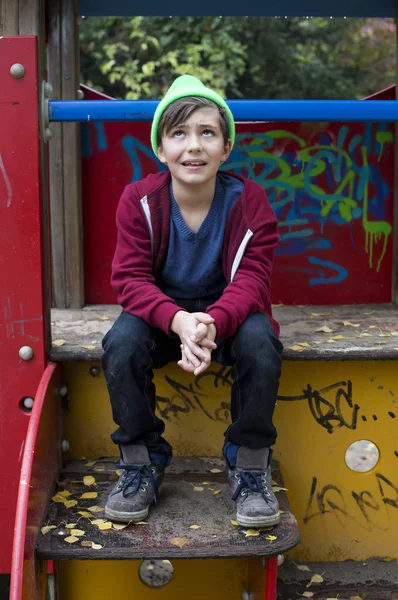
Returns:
(194, 150)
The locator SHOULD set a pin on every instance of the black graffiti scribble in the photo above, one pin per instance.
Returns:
(188, 398)
(328, 414)
(330, 499)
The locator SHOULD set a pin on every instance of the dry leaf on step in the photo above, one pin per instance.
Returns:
(47, 528)
(89, 480)
(180, 542)
(315, 579)
(194, 527)
(89, 495)
(70, 503)
(302, 567)
(59, 342)
(324, 329)
(71, 539)
(252, 533)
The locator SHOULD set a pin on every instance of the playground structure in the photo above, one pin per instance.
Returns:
(331, 185)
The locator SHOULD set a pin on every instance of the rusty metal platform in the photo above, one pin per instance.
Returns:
(180, 506)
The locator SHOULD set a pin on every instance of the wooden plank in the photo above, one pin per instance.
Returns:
(84, 329)
(180, 506)
(30, 16)
(9, 17)
(71, 160)
(56, 167)
(395, 222)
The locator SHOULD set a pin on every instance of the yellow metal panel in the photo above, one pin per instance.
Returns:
(193, 579)
(324, 407)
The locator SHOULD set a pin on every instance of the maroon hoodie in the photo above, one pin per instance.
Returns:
(143, 223)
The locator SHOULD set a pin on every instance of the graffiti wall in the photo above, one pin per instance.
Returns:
(330, 185)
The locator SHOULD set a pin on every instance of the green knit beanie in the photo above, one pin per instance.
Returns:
(182, 87)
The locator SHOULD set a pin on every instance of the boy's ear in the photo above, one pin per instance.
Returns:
(227, 151)
(161, 156)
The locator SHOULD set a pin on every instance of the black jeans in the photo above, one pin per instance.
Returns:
(132, 349)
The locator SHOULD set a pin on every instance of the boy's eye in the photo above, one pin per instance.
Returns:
(208, 132)
(178, 133)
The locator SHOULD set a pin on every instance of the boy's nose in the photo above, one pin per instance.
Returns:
(194, 143)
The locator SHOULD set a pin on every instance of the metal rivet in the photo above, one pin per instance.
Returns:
(65, 445)
(281, 558)
(80, 94)
(95, 372)
(26, 353)
(27, 403)
(63, 391)
(48, 89)
(17, 71)
(48, 134)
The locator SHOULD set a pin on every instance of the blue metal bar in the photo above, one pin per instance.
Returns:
(243, 110)
(254, 8)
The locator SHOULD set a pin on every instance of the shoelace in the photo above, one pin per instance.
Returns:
(132, 479)
(252, 481)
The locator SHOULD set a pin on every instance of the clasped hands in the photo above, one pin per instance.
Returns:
(197, 333)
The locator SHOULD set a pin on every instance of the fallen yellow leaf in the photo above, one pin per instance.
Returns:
(95, 509)
(277, 488)
(86, 544)
(271, 538)
(119, 526)
(104, 318)
(78, 532)
(90, 463)
(118, 472)
(235, 523)
(355, 598)
(394, 332)
(205, 483)
(215, 470)
(64, 494)
(349, 324)
(59, 342)
(324, 329)
(90, 347)
(71, 539)
(85, 514)
(296, 348)
(194, 527)
(282, 512)
(88, 480)
(198, 488)
(372, 327)
(98, 521)
(180, 542)
(105, 526)
(141, 523)
(70, 503)
(47, 528)
(89, 495)
(216, 492)
(302, 567)
(252, 533)
(364, 334)
(96, 546)
(337, 337)
(384, 334)
(307, 594)
(320, 314)
(58, 498)
(303, 344)
(315, 579)
(70, 525)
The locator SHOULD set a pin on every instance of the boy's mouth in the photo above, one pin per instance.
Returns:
(193, 163)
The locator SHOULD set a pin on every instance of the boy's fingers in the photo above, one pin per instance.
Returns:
(201, 368)
(206, 343)
(203, 318)
(195, 360)
(195, 351)
(201, 332)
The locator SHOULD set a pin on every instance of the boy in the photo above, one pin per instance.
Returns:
(192, 271)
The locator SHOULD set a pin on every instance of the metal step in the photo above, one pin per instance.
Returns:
(180, 506)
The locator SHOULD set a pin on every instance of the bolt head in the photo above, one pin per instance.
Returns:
(80, 94)
(63, 391)
(26, 353)
(48, 134)
(65, 445)
(48, 90)
(17, 71)
(28, 403)
(95, 372)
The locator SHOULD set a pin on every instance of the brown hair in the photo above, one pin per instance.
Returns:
(179, 111)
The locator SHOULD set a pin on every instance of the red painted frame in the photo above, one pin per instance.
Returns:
(22, 316)
(41, 464)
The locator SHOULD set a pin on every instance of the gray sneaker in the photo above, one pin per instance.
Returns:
(137, 488)
(251, 484)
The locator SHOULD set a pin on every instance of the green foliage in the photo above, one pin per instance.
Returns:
(139, 57)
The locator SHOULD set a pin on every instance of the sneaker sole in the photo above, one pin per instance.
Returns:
(127, 517)
(258, 521)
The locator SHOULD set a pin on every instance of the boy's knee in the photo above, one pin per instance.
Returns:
(128, 335)
(256, 339)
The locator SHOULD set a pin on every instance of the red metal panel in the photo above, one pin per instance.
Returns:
(41, 464)
(331, 185)
(21, 275)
